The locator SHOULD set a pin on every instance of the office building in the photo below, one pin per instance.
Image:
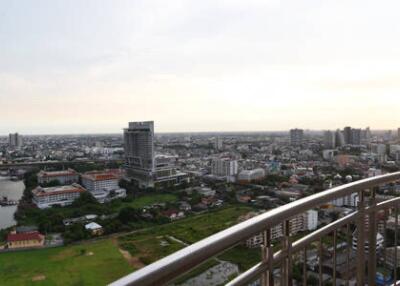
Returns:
(329, 140)
(218, 144)
(15, 140)
(339, 138)
(140, 161)
(356, 136)
(224, 168)
(139, 152)
(347, 135)
(352, 136)
(296, 137)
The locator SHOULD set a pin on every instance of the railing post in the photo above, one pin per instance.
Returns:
(305, 267)
(287, 266)
(372, 241)
(270, 255)
(334, 256)
(361, 240)
(348, 250)
(267, 278)
(264, 260)
(396, 225)
(321, 260)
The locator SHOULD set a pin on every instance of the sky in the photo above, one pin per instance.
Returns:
(80, 66)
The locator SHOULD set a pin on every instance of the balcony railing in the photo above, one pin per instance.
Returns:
(358, 230)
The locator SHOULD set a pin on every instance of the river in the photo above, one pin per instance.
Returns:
(13, 191)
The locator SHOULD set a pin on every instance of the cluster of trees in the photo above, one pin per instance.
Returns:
(113, 216)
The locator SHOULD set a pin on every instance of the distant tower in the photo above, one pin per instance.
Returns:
(218, 144)
(329, 140)
(139, 152)
(347, 135)
(356, 136)
(340, 141)
(368, 134)
(15, 140)
(296, 137)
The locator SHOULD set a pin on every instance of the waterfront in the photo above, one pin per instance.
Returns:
(13, 191)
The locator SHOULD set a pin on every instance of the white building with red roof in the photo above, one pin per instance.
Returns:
(64, 177)
(103, 185)
(62, 195)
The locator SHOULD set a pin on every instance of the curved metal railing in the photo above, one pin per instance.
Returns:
(171, 267)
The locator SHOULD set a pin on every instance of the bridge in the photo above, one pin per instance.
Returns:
(365, 257)
(54, 163)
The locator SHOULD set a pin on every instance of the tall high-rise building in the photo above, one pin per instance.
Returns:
(224, 168)
(218, 144)
(368, 134)
(296, 137)
(140, 160)
(329, 140)
(398, 133)
(347, 135)
(139, 152)
(340, 141)
(356, 136)
(352, 136)
(15, 140)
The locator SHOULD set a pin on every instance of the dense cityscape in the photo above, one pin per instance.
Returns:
(149, 194)
(199, 143)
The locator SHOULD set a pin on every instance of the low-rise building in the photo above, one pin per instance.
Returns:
(103, 185)
(95, 181)
(61, 196)
(65, 177)
(251, 176)
(94, 228)
(25, 240)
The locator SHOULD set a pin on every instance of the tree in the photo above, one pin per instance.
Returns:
(85, 198)
(129, 214)
(83, 251)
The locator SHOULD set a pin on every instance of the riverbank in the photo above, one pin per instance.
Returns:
(13, 190)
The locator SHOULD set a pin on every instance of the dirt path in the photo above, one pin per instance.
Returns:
(133, 261)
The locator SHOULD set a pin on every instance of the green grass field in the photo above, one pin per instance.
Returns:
(147, 244)
(101, 263)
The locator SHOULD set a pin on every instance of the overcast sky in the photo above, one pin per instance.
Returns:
(91, 66)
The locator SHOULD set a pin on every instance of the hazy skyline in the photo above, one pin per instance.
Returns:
(93, 66)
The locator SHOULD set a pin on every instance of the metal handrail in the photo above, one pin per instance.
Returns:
(177, 264)
(254, 272)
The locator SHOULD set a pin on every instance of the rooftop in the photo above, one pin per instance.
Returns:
(69, 172)
(100, 176)
(35, 235)
(74, 188)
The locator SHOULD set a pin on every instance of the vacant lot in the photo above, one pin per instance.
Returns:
(154, 244)
(152, 199)
(95, 263)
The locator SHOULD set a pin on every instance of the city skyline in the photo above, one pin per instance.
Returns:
(156, 132)
(197, 66)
